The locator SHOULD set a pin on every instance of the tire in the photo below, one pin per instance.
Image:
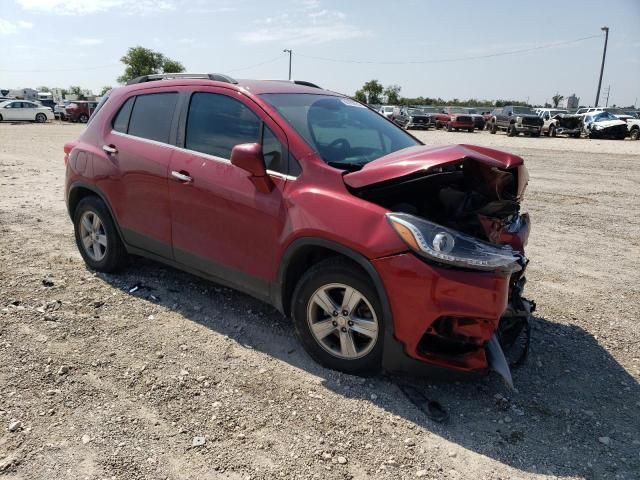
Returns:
(364, 353)
(635, 134)
(41, 118)
(438, 125)
(84, 118)
(535, 134)
(107, 256)
(511, 131)
(494, 128)
(1, 118)
(552, 131)
(470, 130)
(449, 128)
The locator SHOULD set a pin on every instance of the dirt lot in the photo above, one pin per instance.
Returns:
(108, 382)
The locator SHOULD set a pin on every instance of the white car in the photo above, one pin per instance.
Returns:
(387, 111)
(24, 110)
(633, 126)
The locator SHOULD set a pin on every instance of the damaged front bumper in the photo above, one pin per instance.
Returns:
(453, 323)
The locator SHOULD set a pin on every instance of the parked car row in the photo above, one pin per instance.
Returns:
(514, 120)
(23, 110)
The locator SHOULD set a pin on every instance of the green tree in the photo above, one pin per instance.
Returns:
(373, 89)
(360, 96)
(140, 61)
(392, 92)
(104, 90)
(76, 90)
(172, 66)
(557, 98)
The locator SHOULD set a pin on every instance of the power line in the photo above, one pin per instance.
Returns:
(454, 59)
(279, 57)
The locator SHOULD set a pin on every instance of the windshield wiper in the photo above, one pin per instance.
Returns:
(352, 167)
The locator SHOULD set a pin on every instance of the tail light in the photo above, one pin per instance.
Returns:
(67, 150)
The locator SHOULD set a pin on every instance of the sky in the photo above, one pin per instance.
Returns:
(430, 48)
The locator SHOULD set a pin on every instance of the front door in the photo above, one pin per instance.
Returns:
(221, 225)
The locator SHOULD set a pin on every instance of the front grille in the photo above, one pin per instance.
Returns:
(531, 121)
(463, 119)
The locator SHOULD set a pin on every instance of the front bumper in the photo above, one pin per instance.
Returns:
(527, 128)
(423, 298)
(461, 125)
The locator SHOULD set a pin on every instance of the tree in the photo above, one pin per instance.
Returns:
(143, 61)
(361, 96)
(76, 90)
(373, 89)
(557, 98)
(172, 66)
(392, 92)
(104, 90)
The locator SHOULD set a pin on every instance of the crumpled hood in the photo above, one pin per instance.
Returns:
(423, 158)
(608, 123)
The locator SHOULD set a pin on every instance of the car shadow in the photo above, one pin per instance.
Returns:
(575, 410)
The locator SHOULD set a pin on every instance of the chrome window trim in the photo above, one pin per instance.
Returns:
(203, 155)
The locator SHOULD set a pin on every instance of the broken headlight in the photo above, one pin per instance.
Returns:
(444, 245)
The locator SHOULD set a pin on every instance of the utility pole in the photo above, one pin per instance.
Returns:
(289, 51)
(604, 55)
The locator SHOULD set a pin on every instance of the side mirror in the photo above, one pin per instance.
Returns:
(248, 157)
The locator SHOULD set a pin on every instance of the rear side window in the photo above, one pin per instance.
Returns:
(121, 122)
(216, 123)
(152, 115)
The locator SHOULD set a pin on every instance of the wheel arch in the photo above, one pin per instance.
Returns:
(307, 251)
(80, 190)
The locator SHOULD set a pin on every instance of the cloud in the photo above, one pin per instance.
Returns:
(9, 28)
(85, 7)
(186, 41)
(88, 42)
(310, 24)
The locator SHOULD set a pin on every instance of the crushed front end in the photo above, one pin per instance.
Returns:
(457, 297)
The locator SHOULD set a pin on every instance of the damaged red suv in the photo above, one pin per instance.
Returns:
(384, 252)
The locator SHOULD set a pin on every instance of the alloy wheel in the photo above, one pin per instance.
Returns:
(342, 321)
(93, 236)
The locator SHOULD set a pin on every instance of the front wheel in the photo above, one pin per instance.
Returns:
(449, 127)
(493, 129)
(635, 134)
(552, 131)
(512, 132)
(338, 317)
(96, 236)
(470, 130)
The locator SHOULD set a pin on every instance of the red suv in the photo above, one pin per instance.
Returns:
(455, 118)
(384, 252)
(80, 111)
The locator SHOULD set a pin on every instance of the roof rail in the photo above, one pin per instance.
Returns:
(218, 77)
(300, 82)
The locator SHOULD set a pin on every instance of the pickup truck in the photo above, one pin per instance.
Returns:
(514, 119)
(454, 118)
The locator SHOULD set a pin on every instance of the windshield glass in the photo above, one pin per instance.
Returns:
(604, 116)
(345, 133)
(456, 110)
(388, 109)
(523, 111)
(415, 111)
(430, 109)
(472, 111)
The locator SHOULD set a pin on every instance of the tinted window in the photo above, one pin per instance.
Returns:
(272, 151)
(121, 122)
(151, 116)
(217, 123)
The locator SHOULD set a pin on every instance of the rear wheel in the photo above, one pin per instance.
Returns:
(96, 236)
(470, 130)
(1, 119)
(84, 118)
(41, 118)
(338, 317)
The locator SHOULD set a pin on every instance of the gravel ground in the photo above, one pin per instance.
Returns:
(183, 379)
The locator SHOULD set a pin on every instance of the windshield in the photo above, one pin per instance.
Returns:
(456, 110)
(388, 109)
(343, 132)
(472, 111)
(604, 116)
(523, 111)
(415, 111)
(430, 109)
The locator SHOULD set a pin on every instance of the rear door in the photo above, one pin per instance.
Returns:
(221, 224)
(29, 110)
(139, 145)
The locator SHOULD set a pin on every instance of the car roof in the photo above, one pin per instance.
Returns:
(256, 87)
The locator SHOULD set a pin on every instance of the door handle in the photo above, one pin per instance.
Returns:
(110, 149)
(183, 177)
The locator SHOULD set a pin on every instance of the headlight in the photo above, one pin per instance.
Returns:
(597, 127)
(518, 119)
(410, 118)
(444, 245)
